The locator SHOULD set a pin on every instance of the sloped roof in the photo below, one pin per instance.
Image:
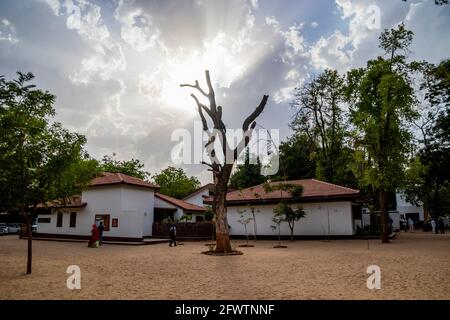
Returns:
(71, 202)
(180, 203)
(108, 178)
(208, 186)
(313, 190)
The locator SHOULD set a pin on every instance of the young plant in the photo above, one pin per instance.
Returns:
(245, 219)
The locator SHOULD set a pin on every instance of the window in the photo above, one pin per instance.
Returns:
(104, 218)
(43, 220)
(115, 223)
(73, 219)
(59, 220)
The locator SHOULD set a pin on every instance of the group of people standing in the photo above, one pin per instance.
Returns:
(437, 227)
(407, 224)
(96, 235)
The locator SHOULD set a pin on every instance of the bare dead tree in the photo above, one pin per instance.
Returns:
(221, 169)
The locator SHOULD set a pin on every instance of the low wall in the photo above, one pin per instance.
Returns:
(185, 230)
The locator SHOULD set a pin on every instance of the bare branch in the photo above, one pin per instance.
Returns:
(255, 113)
(195, 86)
(211, 94)
(202, 106)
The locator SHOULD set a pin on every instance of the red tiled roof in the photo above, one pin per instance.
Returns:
(312, 190)
(108, 178)
(72, 202)
(180, 203)
(209, 186)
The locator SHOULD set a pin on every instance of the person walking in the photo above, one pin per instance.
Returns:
(93, 241)
(101, 228)
(404, 224)
(173, 235)
(441, 225)
(411, 224)
(433, 226)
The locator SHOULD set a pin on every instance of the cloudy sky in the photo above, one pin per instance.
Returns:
(115, 66)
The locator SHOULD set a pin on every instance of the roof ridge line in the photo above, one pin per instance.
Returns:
(333, 184)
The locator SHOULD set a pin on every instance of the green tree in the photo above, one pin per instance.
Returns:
(247, 174)
(381, 103)
(286, 213)
(131, 167)
(320, 116)
(297, 158)
(40, 161)
(244, 219)
(283, 211)
(175, 183)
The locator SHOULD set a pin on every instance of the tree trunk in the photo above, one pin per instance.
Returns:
(223, 244)
(384, 217)
(254, 225)
(30, 243)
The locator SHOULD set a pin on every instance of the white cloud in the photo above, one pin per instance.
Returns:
(137, 29)
(85, 18)
(314, 24)
(7, 32)
(331, 53)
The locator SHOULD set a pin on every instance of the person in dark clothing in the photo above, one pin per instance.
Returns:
(101, 228)
(441, 225)
(173, 234)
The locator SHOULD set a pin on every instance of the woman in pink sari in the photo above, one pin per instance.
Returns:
(95, 237)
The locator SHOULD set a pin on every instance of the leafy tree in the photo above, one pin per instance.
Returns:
(277, 227)
(283, 211)
(297, 158)
(320, 116)
(244, 219)
(287, 214)
(438, 83)
(40, 161)
(381, 102)
(428, 175)
(252, 211)
(247, 174)
(131, 167)
(175, 183)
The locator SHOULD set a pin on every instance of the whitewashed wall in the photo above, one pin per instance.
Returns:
(404, 207)
(324, 218)
(139, 201)
(160, 203)
(197, 198)
(82, 228)
(133, 206)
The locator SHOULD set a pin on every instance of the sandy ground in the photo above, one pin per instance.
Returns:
(414, 266)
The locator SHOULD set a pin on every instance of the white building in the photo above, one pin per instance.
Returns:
(166, 206)
(331, 210)
(198, 196)
(407, 209)
(126, 205)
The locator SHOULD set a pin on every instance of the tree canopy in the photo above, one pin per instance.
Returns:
(131, 167)
(175, 183)
(40, 161)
